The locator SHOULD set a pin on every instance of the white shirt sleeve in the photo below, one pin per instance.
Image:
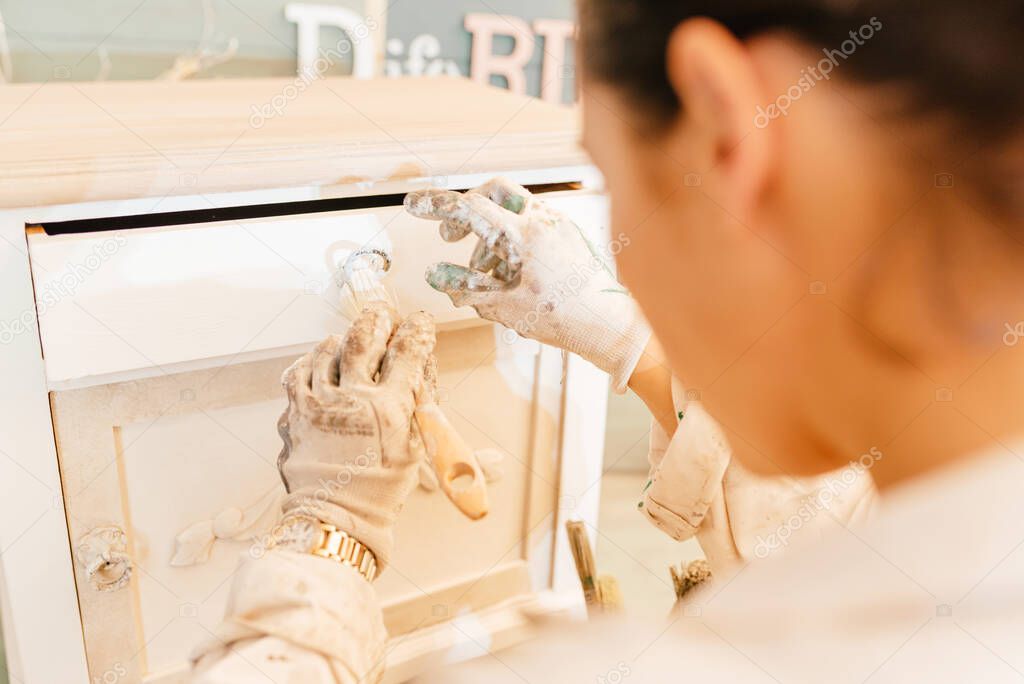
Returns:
(295, 618)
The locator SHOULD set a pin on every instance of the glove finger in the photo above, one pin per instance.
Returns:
(498, 227)
(419, 454)
(454, 230)
(427, 391)
(483, 259)
(439, 204)
(463, 285)
(297, 380)
(325, 374)
(408, 351)
(505, 194)
(365, 345)
(505, 272)
(502, 192)
(432, 203)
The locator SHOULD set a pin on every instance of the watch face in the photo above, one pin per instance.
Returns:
(298, 533)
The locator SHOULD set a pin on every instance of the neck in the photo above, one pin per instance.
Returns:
(970, 419)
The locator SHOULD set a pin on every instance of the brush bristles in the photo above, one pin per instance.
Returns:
(363, 286)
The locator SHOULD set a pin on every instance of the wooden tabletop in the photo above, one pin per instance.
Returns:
(63, 142)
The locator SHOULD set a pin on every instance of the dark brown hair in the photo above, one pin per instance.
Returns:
(954, 57)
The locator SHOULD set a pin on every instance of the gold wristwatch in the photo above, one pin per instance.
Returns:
(306, 534)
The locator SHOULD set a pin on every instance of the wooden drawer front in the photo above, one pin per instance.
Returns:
(138, 302)
(153, 457)
(164, 359)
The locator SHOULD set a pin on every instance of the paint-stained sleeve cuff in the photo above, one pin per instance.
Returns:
(314, 608)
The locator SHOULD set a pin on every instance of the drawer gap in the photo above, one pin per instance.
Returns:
(243, 212)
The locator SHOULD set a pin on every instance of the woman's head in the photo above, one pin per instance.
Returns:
(822, 199)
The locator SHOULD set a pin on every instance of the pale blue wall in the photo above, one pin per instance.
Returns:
(142, 37)
(412, 17)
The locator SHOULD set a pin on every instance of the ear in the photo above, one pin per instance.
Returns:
(716, 80)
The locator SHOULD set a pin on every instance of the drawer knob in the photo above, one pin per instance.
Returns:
(103, 555)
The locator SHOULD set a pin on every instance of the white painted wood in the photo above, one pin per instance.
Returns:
(134, 300)
(540, 532)
(139, 299)
(568, 465)
(12, 653)
(583, 430)
(148, 448)
(486, 631)
(42, 629)
(155, 455)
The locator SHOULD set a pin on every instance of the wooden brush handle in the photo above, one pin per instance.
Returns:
(452, 459)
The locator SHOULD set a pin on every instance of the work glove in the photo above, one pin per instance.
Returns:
(535, 272)
(696, 489)
(686, 474)
(351, 450)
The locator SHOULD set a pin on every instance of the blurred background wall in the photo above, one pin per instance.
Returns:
(141, 39)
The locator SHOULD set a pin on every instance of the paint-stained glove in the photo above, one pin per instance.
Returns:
(535, 272)
(351, 451)
(696, 489)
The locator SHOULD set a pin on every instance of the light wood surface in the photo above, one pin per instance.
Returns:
(78, 142)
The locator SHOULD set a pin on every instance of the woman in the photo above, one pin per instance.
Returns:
(824, 224)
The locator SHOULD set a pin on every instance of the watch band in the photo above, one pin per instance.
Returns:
(306, 534)
(339, 546)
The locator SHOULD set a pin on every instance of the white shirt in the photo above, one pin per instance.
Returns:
(931, 590)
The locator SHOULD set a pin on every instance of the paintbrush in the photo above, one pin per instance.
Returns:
(457, 468)
(600, 592)
(362, 282)
(689, 576)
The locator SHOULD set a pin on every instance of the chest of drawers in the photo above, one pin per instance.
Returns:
(165, 256)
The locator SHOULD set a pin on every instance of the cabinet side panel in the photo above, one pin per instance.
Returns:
(41, 606)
